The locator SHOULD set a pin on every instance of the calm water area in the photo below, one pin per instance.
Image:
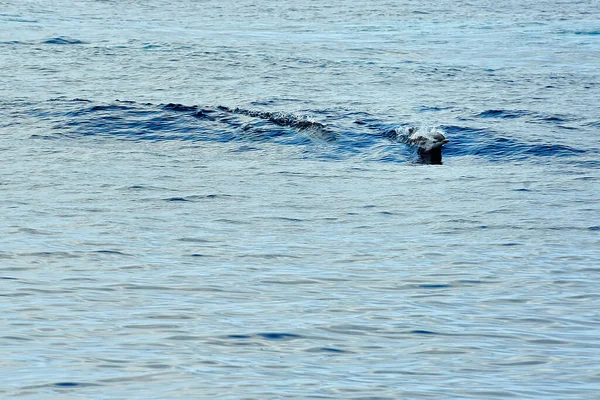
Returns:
(202, 200)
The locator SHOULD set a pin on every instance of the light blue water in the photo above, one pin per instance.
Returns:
(203, 200)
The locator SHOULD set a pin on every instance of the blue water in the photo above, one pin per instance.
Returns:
(209, 200)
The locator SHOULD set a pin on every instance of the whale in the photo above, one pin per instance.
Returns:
(429, 143)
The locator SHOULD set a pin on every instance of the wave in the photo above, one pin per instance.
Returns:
(63, 40)
(320, 133)
(591, 32)
(491, 144)
(534, 116)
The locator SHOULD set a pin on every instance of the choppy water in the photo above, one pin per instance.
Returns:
(204, 200)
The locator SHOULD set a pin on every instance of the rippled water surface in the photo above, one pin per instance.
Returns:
(210, 200)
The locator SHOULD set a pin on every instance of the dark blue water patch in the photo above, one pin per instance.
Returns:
(24, 20)
(66, 101)
(287, 219)
(435, 286)
(180, 107)
(245, 149)
(332, 350)
(594, 228)
(71, 385)
(591, 32)
(471, 281)
(504, 114)
(278, 336)
(110, 107)
(266, 335)
(63, 41)
(18, 338)
(552, 118)
(158, 47)
(326, 350)
(422, 332)
(67, 384)
(112, 252)
(194, 240)
(193, 198)
(177, 199)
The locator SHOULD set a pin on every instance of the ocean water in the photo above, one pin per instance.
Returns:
(203, 199)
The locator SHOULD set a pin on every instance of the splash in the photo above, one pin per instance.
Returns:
(428, 141)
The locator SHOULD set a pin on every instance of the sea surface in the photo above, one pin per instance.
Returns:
(203, 200)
